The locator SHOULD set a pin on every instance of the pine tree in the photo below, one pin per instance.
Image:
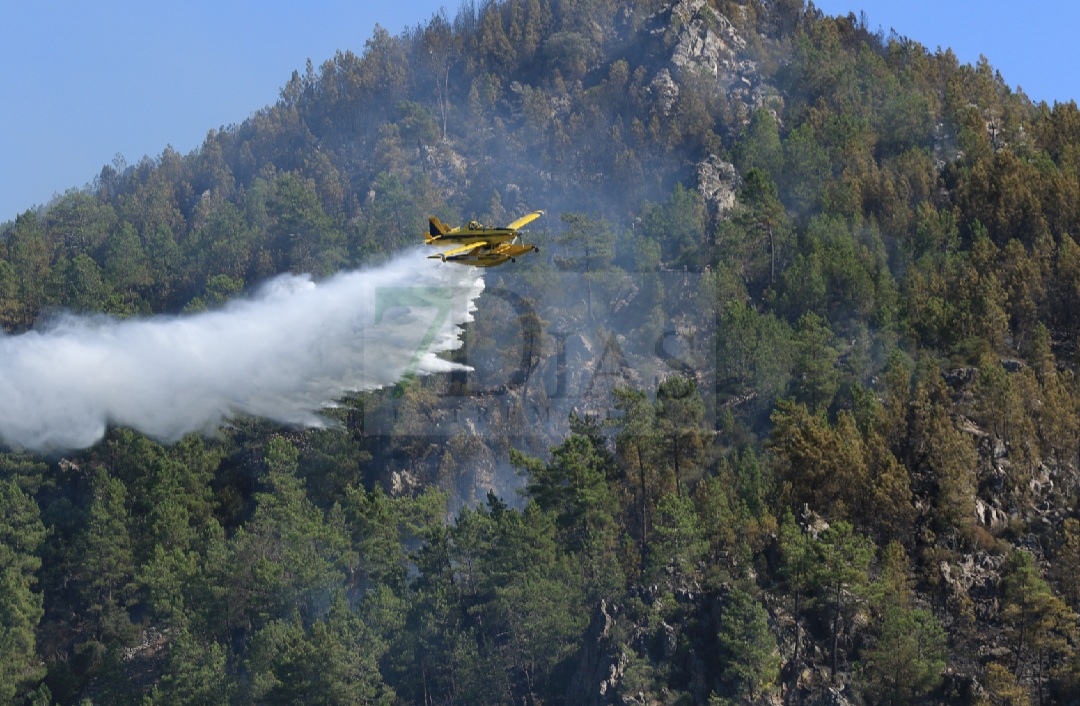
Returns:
(764, 213)
(194, 673)
(749, 655)
(637, 451)
(333, 662)
(287, 555)
(845, 559)
(21, 533)
(574, 485)
(678, 542)
(680, 418)
(106, 584)
(815, 378)
(1066, 565)
(821, 467)
(29, 253)
(1040, 622)
(907, 659)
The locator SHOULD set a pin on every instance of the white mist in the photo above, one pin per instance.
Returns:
(284, 354)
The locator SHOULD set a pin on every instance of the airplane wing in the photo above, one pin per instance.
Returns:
(525, 220)
(458, 251)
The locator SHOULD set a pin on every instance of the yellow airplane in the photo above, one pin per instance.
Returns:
(481, 246)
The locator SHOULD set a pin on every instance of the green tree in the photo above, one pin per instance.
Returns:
(126, 267)
(195, 674)
(1065, 284)
(1003, 687)
(494, 44)
(382, 528)
(753, 351)
(10, 306)
(936, 447)
(574, 486)
(30, 255)
(680, 420)
(1039, 621)
(736, 527)
(226, 241)
(303, 237)
(749, 654)
(537, 611)
(815, 378)
(678, 544)
(907, 658)
(107, 585)
(760, 147)
(891, 511)
(444, 51)
(845, 557)
(335, 662)
(806, 169)
(595, 241)
(764, 213)
(820, 466)
(1066, 566)
(436, 655)
(567, 52)
(222, 288)
(951, 457)
(637, 448)
(21, 534)
(678, 224)
(288, 554)
(82, 287)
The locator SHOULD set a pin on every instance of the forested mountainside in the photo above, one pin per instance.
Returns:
(784, 411)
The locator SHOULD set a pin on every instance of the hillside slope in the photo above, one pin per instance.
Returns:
(784, 411)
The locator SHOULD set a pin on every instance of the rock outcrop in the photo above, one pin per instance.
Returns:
(717, 182)
(600, 662)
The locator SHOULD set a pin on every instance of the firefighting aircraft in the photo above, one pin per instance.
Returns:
(481, 246)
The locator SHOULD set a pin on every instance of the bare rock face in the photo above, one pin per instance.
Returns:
(664, 91)
(718, 183)
(702, 42)
(600, 663)
(993, 518)
(445, 167)
(972, 583)
(707, 40)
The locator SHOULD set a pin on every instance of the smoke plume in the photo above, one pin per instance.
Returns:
(285, 353)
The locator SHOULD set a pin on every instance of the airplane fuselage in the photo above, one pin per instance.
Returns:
(490, 257)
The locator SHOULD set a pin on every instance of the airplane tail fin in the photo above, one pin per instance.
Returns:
(436, 229)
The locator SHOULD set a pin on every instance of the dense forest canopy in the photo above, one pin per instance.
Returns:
(785, 411)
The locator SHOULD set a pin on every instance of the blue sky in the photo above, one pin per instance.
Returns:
(82, 82)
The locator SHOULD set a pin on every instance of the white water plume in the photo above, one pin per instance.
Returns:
(285, 353)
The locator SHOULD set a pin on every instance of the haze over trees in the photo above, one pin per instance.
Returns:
(784, 411)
